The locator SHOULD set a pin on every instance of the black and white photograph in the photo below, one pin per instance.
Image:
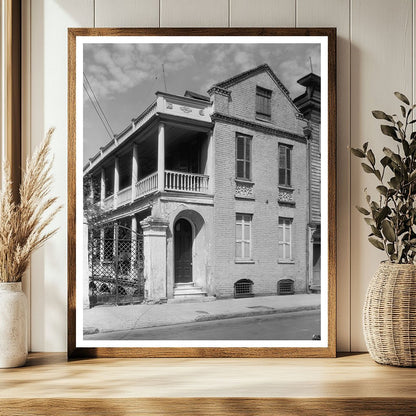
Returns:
(202, 199)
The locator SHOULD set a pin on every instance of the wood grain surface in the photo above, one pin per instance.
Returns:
(329, 351)
(347, 385)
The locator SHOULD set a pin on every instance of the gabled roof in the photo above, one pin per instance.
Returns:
(247, 74)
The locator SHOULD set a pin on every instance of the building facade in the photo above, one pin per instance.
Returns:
(205, 196)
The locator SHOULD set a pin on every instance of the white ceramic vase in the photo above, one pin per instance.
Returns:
(13, 325)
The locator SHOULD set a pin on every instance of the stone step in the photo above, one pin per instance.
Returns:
(187, 291)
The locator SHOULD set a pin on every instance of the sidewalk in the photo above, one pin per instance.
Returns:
(116, 318)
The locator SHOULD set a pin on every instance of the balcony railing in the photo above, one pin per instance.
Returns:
(174, 181)
(124, 196)
(108, 203)
(186, 182)
(146, 185)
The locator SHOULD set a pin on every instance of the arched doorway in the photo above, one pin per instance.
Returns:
(183, 239)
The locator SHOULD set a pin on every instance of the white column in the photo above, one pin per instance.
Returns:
(116, 181)
(133, 254)
(211, 162)
(134, 171)
(161, 158)
(155, 250)
(102, 187)
(91, 180)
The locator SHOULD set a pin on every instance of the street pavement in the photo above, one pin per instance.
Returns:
(127, 317)
(302, 325)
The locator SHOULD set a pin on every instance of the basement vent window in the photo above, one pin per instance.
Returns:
(285, 287)
(243, 288)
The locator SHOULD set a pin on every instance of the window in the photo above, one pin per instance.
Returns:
(243, 157)
(285, 165)
(285, 239)
(263, 103)
(243, 236)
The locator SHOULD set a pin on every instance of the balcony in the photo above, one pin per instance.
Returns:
(186, 182)
(124, 196)
(174, 181)
(146, 185)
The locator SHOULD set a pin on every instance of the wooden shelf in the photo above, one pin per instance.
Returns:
(349, 384)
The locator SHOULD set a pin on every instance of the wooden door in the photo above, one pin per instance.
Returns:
(183, 251)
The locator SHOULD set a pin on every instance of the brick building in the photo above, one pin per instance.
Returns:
(207, 195)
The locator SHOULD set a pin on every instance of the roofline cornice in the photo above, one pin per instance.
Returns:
(258, 127)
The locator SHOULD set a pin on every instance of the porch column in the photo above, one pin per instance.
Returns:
(134, 172)
(210, 162)
(133, 253)
(102, 187)
(154, 247)
(116, 181)
(91, 180)
(161, 157)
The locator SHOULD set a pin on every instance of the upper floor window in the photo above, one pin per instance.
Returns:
(243, 157)
(285, 165)
(285, 239)
(263, 103)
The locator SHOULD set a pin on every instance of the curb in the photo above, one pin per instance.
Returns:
(88, 331)
(254, 313)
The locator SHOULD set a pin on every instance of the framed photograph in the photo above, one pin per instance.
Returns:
(202, 183)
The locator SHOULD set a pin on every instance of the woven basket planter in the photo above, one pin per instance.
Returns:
(389, 317)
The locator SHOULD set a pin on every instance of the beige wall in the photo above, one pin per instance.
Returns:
(376, 56)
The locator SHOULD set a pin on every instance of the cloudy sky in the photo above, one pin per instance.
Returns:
(125, 77)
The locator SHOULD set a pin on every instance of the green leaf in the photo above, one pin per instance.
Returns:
(365, 145)
(357, 152)
(382, 214)
(376, 243)
(403, 111)
(389, 131)
(370, 157)
(385, 161)
(381, 115)
(394, 182)
(382, 189)
(362, 210)
(413, 121)
(390, 248)
(388, 230)
(369, 221)
(378, 174)
(393, 156)
(376, 231)
(402, 97)
(367, 168)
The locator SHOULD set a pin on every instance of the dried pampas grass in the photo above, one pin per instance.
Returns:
(23, 225)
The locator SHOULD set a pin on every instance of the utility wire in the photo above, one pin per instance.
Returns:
(98, 113)
(99, 106)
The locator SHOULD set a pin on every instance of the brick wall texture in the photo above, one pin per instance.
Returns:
(265, 269)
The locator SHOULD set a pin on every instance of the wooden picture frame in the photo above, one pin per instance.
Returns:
(205, 117)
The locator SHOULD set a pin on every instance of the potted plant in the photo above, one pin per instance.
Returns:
(389, 318)
(23, 229)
